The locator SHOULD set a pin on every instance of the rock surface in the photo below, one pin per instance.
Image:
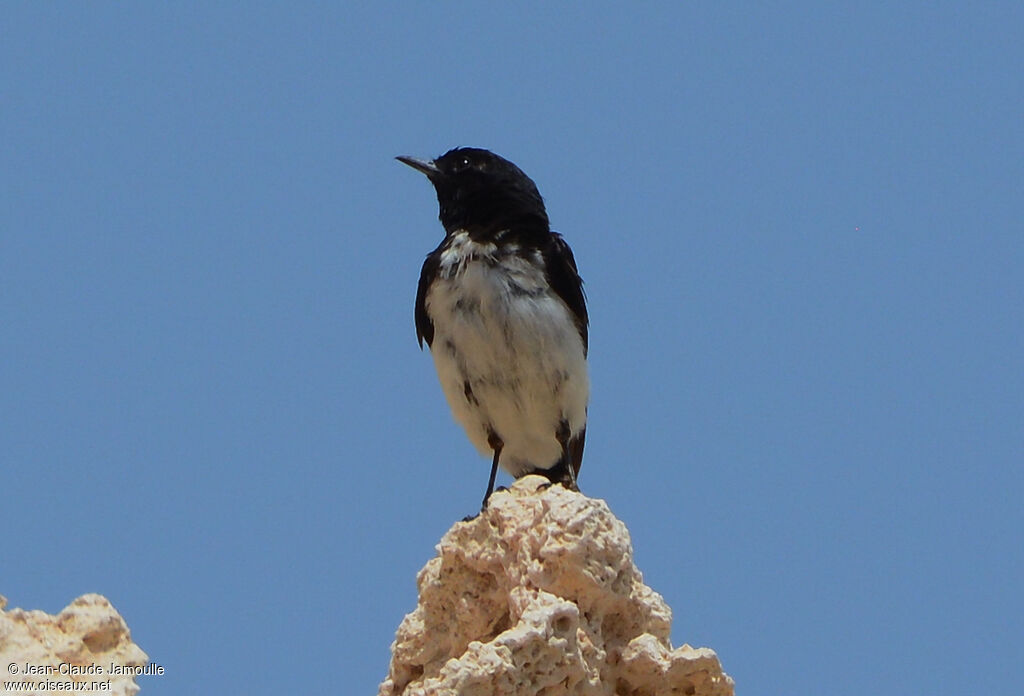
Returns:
(539, 595)
(86, 634)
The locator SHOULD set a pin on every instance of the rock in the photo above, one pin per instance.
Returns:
(539, 595)
(77, 645)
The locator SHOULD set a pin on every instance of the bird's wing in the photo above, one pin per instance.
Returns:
(424, 326)
(560, 268)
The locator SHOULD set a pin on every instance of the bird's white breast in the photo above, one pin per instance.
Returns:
(508, 352)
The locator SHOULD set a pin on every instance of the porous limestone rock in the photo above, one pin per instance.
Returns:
(86, 634)
(538, 595)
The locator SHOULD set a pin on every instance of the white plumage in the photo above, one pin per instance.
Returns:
(508, 352)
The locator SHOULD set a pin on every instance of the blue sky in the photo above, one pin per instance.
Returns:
(800, 227)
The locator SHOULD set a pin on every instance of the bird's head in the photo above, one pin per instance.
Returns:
(482, 193)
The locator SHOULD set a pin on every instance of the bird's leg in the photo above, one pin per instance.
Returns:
(496, 444)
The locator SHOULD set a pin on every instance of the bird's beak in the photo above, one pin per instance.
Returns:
(426, 166)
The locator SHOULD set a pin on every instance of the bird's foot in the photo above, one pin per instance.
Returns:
(568, 485)
(483, 508)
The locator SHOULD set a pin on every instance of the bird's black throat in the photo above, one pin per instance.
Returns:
(488, 197)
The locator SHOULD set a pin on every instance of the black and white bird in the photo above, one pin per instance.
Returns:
(501, 306)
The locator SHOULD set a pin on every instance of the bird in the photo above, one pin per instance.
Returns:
(500, 304)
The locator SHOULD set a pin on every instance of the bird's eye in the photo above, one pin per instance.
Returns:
(465, 162)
